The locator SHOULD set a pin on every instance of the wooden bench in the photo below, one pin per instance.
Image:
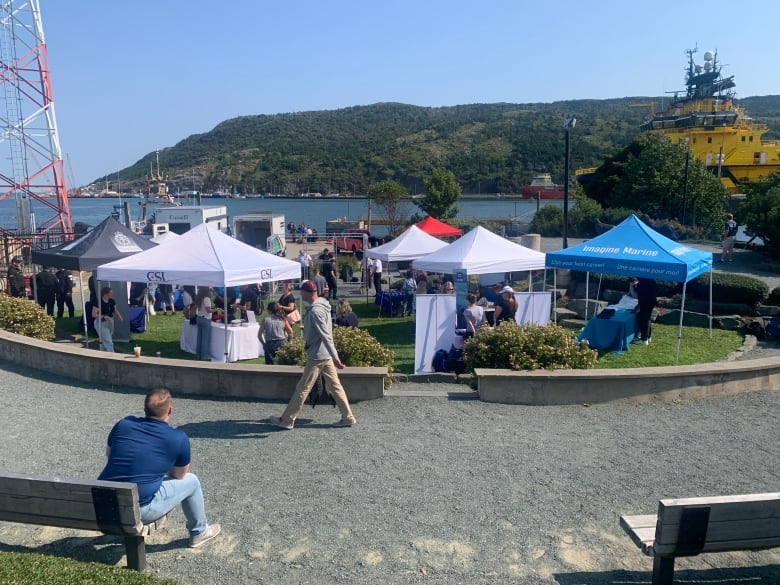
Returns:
(690, 526)
(110, 507)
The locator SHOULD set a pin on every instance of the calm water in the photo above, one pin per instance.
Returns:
(314, 212)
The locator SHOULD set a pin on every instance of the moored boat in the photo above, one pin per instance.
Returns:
(542, 187)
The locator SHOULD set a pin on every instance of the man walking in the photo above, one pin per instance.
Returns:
(321, 359)
(729, 239)
(376, 271)
(65, 293)
(304, 259)
(156, 457)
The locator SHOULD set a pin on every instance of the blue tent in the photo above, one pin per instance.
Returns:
(634, 249)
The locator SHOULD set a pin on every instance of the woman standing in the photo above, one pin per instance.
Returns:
(474, 315)
(275, 329)
(287, 303)
(203, 310)
(104, 316)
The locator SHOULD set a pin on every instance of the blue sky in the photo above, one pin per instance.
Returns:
(130, 77)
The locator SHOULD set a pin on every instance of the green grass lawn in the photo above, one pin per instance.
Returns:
(397, 333)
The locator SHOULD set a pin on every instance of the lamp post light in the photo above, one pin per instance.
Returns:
(568, 124)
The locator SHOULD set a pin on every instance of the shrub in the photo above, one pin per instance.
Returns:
(583, 217)
(615, 215)
(774, 297)
(528, 347)
(548, 222)
(356, 348)
(674, 230)
(730, 288)
(664, 288)
(25, 318)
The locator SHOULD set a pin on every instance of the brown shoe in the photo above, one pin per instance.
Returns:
(211, 531)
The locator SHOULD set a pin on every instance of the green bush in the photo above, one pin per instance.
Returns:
(774, 297)
(25, 318)
(356, 348)
(528, 347)
(582, 218)
(674, 230)
(548, 222)
(615, 215)
(729, 288)
(664, 288)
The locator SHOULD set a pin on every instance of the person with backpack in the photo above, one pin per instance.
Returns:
(729, 239)
(409, 287)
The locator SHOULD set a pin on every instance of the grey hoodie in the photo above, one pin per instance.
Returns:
(318, 332)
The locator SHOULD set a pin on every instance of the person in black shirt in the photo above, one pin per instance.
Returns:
(647, 296)
(46, 288)
(104, 316)
(15, 278)
(65, 293)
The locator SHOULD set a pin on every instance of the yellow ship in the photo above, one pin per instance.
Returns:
(714, 128)
(717, 131)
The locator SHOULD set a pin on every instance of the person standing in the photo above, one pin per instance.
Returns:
(203, 310)
(729, 239)
(376, 271)
(331, 277)
(275, 329)
(150, 453)
(322, 359)
(65, 293)
(46, 289)
(474, 315)
(506, 306)
(647, 299)
(304, 259)
(104, 316)
(319, 280)
(409, 287)
(15, 278)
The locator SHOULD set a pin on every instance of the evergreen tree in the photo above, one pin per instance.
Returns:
(761, 212)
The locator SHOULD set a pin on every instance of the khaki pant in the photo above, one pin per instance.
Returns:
(311, 371)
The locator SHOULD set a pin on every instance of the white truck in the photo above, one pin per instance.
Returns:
(182, 219)
(263, 230)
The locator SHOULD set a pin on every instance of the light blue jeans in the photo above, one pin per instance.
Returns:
(204, 337)
(106, 334)
(172, 492)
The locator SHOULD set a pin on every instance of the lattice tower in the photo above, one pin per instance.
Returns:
(31, 167)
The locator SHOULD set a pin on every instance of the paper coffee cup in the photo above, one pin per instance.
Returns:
(137, 351)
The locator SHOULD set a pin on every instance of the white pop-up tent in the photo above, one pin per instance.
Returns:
(201, 256)
(410, 245)
(481, 252)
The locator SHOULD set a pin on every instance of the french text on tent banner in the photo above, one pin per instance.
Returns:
(626, 250)
(649, 270)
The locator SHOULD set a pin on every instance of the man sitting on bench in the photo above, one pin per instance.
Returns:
(156, 457)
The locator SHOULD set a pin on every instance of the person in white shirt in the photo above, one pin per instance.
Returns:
(474, 315)
(304, 259)
(376, 270)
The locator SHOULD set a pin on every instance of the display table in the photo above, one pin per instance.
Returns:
(613, 334)
(242, 342)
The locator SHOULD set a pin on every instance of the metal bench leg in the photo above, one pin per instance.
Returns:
(663, 570)
(136, 553)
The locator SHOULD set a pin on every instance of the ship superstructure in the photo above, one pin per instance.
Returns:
(717, 131)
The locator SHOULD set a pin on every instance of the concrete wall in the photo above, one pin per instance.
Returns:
(632, 384)
(181, 376)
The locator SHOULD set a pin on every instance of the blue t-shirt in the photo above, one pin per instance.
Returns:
(142, 452)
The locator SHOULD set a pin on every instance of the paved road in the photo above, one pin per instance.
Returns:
(423, 490)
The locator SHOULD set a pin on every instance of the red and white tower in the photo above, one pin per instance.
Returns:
(31, 168)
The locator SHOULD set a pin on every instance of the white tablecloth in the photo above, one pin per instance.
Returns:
(242, 342)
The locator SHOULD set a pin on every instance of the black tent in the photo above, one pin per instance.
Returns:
(107, 241)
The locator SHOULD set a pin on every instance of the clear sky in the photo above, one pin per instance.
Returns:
(132, 76)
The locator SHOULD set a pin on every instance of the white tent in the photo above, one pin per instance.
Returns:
(481, 252)
(164, 237)
(410, 245)
(202, 256)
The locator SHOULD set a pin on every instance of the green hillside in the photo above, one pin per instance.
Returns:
(490, 147)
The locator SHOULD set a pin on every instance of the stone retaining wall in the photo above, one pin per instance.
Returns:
(181, 376)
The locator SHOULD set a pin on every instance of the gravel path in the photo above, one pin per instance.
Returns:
(423, 490)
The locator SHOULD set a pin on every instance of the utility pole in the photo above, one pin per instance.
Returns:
(568, 124)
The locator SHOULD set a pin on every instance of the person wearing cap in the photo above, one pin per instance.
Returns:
(506, 306)
(15, 279)
(322, 359)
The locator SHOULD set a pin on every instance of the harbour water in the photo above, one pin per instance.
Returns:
(311, 211)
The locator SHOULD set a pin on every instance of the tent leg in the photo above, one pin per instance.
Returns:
(679, 329)
(710, 303)
(84, 312)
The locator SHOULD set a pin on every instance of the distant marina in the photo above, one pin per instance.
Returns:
(312, 211)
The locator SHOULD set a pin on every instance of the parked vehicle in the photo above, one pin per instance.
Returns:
(264, 230)
(352, 240)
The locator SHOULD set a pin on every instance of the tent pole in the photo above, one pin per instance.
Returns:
(84, 311)
(587, 294)
(679, 329)
(555, 290)
(224, 319)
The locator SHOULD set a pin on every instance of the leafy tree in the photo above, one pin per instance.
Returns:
(441, 194)
(761, 212)
(389, 196)
(649, 175)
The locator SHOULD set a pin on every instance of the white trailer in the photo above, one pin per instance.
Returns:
(263, 230)
(182, 219)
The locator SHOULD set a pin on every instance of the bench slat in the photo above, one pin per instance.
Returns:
(641, 529)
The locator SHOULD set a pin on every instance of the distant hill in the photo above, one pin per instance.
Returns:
(490, 147)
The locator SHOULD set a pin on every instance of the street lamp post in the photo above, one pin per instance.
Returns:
(568, 124)
(685, 179)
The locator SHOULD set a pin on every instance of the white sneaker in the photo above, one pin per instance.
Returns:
(211, 531)
(277, 421)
